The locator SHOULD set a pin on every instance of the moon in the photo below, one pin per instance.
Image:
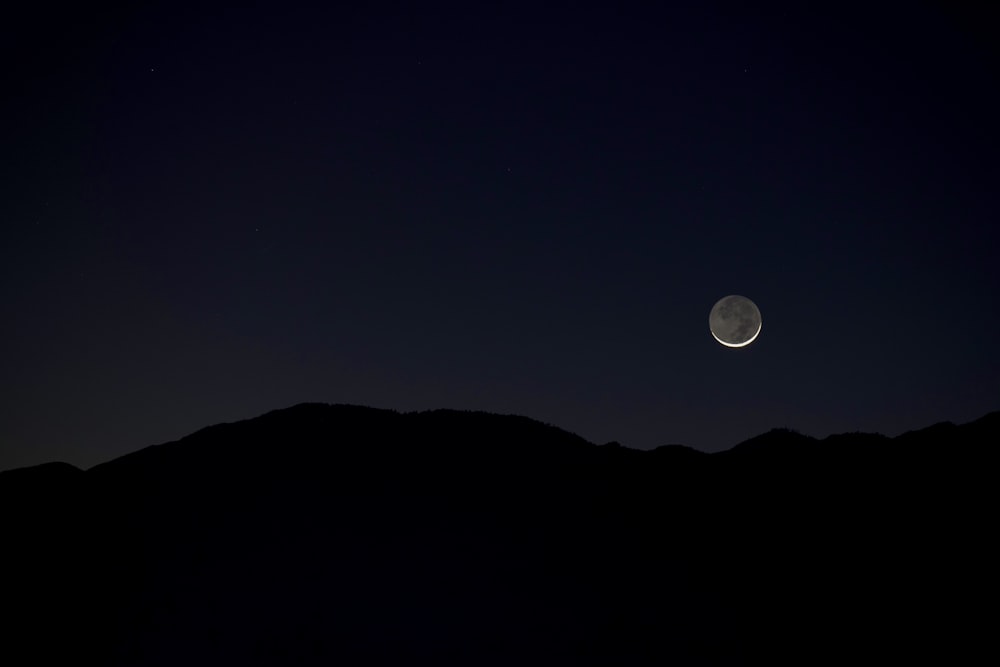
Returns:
(734, 321)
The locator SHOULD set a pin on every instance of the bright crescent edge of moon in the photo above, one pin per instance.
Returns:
(744, 344)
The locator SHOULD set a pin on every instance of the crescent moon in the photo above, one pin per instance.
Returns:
(735, 321)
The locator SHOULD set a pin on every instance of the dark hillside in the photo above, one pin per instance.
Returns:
(322, 534)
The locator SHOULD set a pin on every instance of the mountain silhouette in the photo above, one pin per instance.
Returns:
(337, 534)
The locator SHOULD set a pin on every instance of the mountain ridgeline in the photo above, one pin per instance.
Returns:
(335, 534)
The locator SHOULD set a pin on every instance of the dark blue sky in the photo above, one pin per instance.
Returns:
(209, 213)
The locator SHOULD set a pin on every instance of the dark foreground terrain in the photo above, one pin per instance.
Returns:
(341, 535)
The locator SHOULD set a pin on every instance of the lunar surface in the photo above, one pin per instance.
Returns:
(734, 321)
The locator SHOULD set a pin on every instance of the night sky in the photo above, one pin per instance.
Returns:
(209, 213)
